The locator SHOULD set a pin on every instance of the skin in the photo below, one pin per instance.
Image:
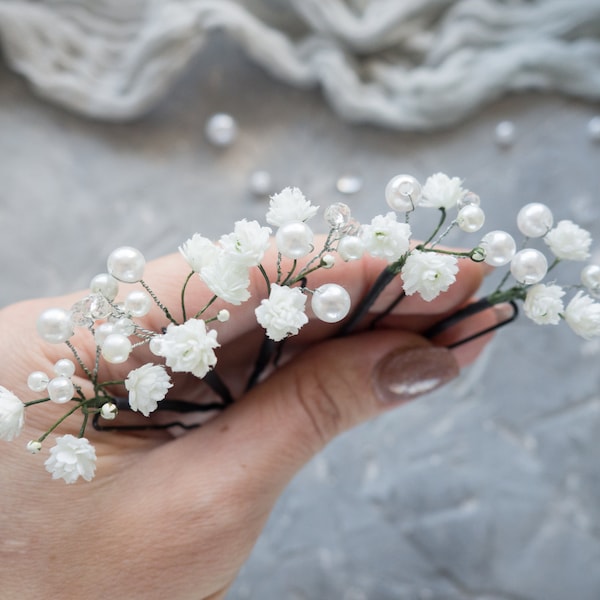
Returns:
(176, 517)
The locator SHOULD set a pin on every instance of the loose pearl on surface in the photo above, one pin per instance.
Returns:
(106, 285)
(37, 381)
(221, 129)
(402, 193)
(60, 390)
(330, 302)
(590, 277)
(470, 218)
(116, 348)
(54, 325)
(535, 220)
(64, 367)
(294, 240)
(499, 248)
(138, 303)
(126, 264)
(529, 266)
(350, 248)
(337, 215)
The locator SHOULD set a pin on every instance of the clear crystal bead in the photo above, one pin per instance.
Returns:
(337, 215)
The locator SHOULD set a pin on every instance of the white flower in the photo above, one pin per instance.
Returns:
(441, 191)
(72, 458)
(385, 238)
(543, 304)
(227, 278)
(12, 415)
(288, 206)
(282, 314)
(198, 251)
(248, 242)
(147, 386)
(583, 316)
(569, 241)
(189, 347)
(428, 273)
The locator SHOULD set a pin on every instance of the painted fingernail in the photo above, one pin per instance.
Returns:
(409, 373)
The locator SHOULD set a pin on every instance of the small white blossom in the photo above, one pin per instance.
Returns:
(72, 458)
(568, 241)
(441, 191)
(147, 386)
(428, 273)
(543, 304)
(583, 316)
(282, 314)
(289, 205)
(385, 238)
(189, 347)
(12, 415)
(248, 242)
(198, 251)
(33, 447)
(227, 279)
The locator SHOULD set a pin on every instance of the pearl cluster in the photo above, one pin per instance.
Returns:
(60, 387)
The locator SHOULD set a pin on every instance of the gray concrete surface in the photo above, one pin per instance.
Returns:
(488, 490)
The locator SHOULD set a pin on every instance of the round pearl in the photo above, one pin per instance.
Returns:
(106, 285)
(155, 344)
(222, 316)
(331, 302)
(126, 264)
(221, 129)
(468, 199)
(109, 411)
(499, 248)
(535, 220)
(54, 325)
(294, 240)
(60, 389)
(402, 193)
(138, 303)
(64, 367)
(594, 129)
(337, 215)
(350, 248)
(470, 218)
(116, 348)
(529, 266)
(349, 184)
(33, 446)
(102, 332)
(37, 381)
(505, 133)
(260, 183)
(124, 326)
(590, 277)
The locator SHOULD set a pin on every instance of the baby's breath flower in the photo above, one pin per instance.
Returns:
(147, 386)
(248, 242)
(385, 238)
(188, 348)
(583, 316)
(72, 458)
(227, 278)
(289, 205)
(441, 191)
(282, 314)
(428, 273)
(12, 412)
(198, 251)
(543, 304)
(568, 241)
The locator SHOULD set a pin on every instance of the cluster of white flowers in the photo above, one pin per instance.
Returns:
(114, 317)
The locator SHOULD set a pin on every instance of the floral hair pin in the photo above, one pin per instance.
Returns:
(114, 316)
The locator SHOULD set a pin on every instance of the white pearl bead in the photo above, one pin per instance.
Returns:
(64, 367)
(37, 381)
(330, 302)
(294, 240)
(155, 344)
(499, 248)
(468, 199)
(535, 220)
(60, 389)
(337, 215)
(54, 325)
(505, 133)
(590, 277)
(349, 184)
(102, 332)
(109, 411)
(138, 303)
(221, 129)
(126, 264)
(350, 248)
(33, 446)
(327, 261)
(116, 348)
(106, 285)
(222, 316)
(529, 266)
(260, 183)
(470, 218)
(125, 326)
(402, 193)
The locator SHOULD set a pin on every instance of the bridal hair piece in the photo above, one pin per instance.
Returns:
(112, 313)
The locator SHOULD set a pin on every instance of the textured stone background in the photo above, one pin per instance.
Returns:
(489, 489)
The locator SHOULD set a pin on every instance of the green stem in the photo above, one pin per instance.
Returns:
(266, 277)
(63, 418)
(439, 226)
(32, 402)
(185, 284)
(203, 310)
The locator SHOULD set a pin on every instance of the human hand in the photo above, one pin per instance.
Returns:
(176, 517)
